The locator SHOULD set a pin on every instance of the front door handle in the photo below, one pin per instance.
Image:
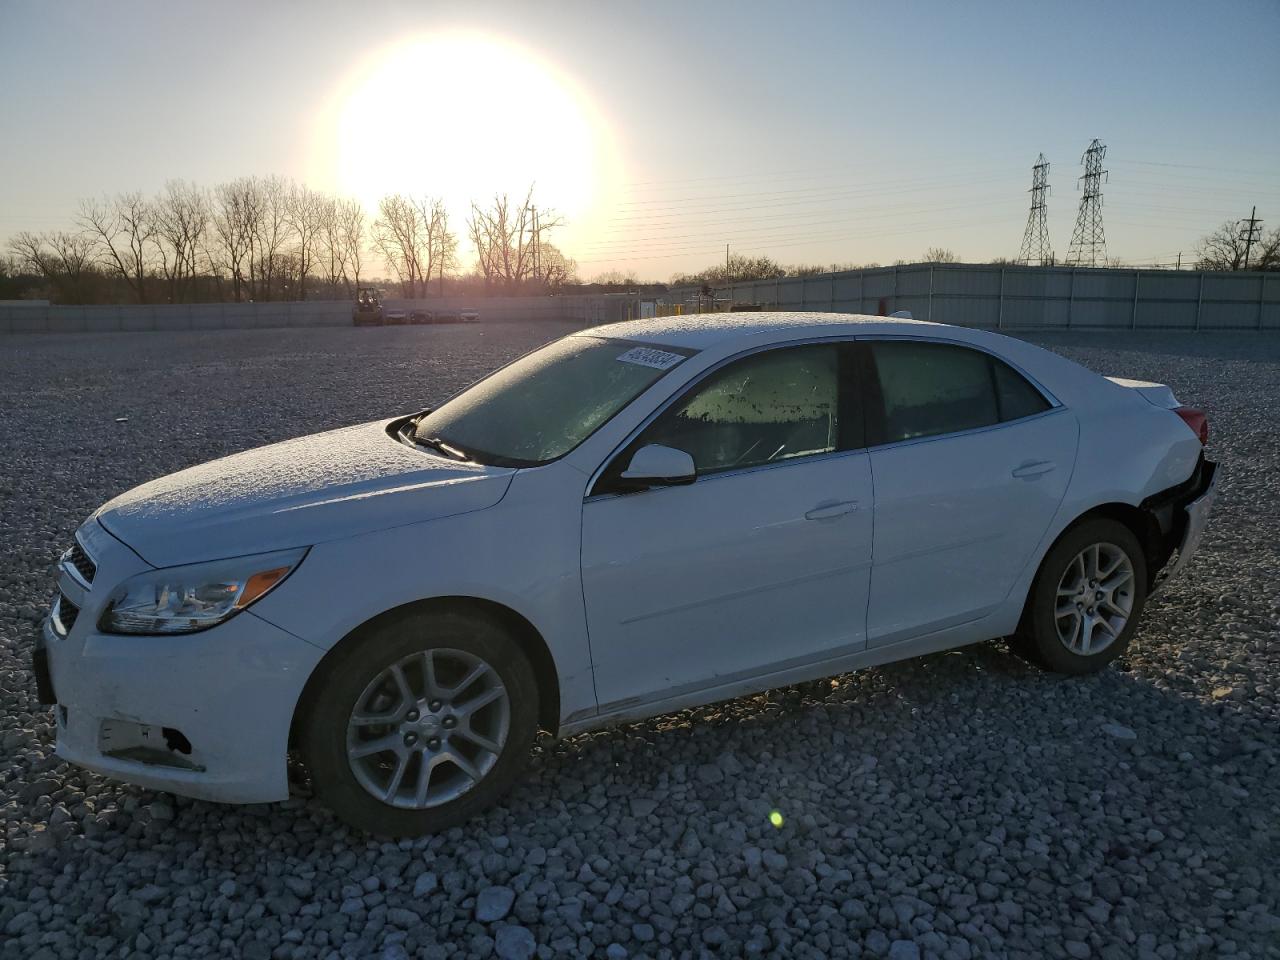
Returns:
(1033, 468)
(829, 511)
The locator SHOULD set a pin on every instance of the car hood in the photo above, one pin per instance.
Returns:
(305, 491)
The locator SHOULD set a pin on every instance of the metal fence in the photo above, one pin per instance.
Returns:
(971, 295)
(41, 317)
(1021, 298)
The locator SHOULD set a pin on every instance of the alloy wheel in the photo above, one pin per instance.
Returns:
(1094, 599)
(428, 728)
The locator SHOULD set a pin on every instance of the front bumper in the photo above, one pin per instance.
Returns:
(205, 715)
(1196, 506)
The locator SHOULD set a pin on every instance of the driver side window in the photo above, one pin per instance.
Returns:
(767, 407)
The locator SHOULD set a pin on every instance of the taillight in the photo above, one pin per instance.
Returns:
(1196, 420)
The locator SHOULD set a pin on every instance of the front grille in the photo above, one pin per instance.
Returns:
(65, 613)
(76, 557)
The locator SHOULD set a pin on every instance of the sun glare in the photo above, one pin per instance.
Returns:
(461, 116)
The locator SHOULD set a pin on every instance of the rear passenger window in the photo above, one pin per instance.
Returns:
(931, 388)
(1017, 397)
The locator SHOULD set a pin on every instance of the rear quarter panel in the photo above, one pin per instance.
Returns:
(1128, 448)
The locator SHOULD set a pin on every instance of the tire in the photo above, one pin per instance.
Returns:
(353, 758)
(1083, 630)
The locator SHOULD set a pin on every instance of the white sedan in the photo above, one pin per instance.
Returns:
(629, 521)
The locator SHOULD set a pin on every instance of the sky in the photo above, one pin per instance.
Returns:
(662, 131)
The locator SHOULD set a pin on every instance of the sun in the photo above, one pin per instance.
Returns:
(460, 117)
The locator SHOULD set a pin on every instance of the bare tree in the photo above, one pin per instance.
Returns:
(266, 214)
(413, 237)
(444, 245)
(554, 268)
(181, 218)
(507, 238)
(32, 253)
(401, 238)
(75, 257)
(330, 251)
(64, 260)
(616, 278)
(1223, 249)
(940, 255)
(122, 228)
(738, 268)
(1266, 252)
(1269, 251)
(351, 234)
(233, 233)
(304, 214)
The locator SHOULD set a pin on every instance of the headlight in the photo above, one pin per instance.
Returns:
(195, 597)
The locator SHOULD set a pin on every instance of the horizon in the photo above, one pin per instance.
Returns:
(658, 145)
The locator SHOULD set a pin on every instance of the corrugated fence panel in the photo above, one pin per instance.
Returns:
(965, 311)
(979, 295)
(1231, 288)
(966, 282)
(1174, 314)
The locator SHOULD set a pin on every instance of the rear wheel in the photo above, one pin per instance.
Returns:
(1086, 599)
(421, 723)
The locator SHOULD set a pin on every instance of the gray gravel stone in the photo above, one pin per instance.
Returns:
(1119, 731)
(514, 943)
(494, 903)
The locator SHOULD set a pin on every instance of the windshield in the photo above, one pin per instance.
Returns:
(545, 404)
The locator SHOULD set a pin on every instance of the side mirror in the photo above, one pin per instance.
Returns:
(658, 466)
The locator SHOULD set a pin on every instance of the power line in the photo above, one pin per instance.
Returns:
(767, 244)
(808, 220)
(1088, 241)
(683, 213)
(1035, 238)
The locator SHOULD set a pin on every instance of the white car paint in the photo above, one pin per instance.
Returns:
(647, 602)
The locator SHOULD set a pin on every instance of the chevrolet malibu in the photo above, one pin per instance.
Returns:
(632, 520)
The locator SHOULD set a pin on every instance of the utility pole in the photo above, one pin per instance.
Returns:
(537, 245)
(726, 263)
(1035, 239)
(1251, 234)
(1088, 241)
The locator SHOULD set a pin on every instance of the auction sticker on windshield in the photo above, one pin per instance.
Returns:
(649, 357)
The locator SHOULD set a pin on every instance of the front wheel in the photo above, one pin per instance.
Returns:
(1086, 599)
(421, 723)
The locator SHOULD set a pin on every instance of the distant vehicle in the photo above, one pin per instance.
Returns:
(368, 308)
(445, 316)
(630, 521)
(397, 315)
(469, 315)
(421, 316)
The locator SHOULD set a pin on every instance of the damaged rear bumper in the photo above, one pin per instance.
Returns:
(1194, 506)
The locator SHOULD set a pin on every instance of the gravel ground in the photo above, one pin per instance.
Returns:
(959, 805)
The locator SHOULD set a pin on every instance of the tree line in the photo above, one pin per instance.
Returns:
(269, 238)
(1222, 249)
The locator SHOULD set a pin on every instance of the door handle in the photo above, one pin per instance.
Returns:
(829, 511)
(1033, 468)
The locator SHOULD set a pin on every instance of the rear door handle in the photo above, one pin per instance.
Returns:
(1033, 468)
(829, 511)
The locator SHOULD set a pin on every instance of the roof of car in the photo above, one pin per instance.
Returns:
(699, 331)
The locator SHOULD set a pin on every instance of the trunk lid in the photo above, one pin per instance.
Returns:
(1157, 394)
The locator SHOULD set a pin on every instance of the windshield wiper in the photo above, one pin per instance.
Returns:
(435, 443)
